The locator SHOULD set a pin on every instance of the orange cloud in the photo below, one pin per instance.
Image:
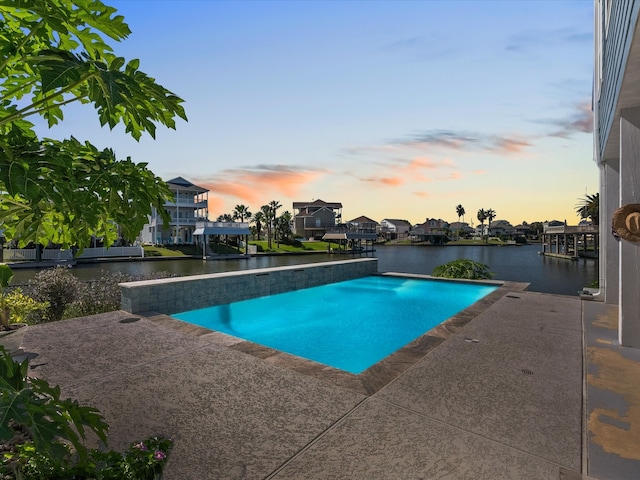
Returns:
(421, 194)
(388, 181)
(259, 185)
(216, 204)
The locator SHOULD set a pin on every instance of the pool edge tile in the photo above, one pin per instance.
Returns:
(375, 377)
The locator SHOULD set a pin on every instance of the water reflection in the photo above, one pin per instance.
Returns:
(520, 264)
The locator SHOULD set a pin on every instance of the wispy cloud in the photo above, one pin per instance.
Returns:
(386, 181)
(580, 121)
(467, 141)
(548, 38)
(420, 49)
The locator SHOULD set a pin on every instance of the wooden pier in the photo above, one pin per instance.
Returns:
(570, 242)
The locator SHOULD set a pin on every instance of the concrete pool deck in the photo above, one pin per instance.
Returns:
(501, 397)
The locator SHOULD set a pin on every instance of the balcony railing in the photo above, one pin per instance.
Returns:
(572, 229)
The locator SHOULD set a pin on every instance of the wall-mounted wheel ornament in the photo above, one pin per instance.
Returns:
(626, 222)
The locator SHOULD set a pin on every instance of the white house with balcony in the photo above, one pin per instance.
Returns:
(189, 206)
(616, 106)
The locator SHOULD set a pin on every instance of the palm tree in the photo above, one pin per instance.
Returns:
(589, 207)
(241, 212)
(482, 216)
(225, 218)
(266, 216)
(274, 205)
(258, 219)
(491, 214)
(460, 211)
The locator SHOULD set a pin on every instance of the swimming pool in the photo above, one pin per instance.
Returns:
(348, 325)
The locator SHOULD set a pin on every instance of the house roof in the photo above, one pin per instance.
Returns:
(394, 221)
(183, 183)
(362, 219)
(317, 203)
(305, 213)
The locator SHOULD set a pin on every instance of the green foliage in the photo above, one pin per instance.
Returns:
(24, 309)
(6, 275)
(53, 52)
(54, 425)
(102, 295)
(463, 268)
(142, 461)
(43, 435)
(56, 286)
(589, 207)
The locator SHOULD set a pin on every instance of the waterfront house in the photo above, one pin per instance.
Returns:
(363, 224)
(190, 205)
(394, 229)
(432, 230)
(522, 230)
(314, 219)
(616, 105)
(462, 227)
(501, 228)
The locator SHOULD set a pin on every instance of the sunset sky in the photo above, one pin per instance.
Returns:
(396, 109)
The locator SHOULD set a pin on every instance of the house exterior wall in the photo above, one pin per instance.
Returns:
(616, 97)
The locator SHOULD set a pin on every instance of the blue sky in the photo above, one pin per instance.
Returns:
(397, 109)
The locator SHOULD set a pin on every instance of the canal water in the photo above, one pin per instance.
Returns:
(520, 264)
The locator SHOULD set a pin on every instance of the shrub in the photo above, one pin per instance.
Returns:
(24, 309)
(103, 295)
(67, 297)
(463, 268)
(56, 286)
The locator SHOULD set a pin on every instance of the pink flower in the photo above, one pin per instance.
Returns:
(158, 455)
(140, 446)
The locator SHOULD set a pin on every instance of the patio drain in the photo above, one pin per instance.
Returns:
(512, 296)
(526, 371)
(130, 320)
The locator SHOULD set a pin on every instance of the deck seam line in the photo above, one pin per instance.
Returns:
(317, 438)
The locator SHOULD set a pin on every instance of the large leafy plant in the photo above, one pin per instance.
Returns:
(53, 53)
(6, 275)
(52, 424)
(43, 436)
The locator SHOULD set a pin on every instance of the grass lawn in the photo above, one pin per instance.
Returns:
(306, 246)
(171, 250)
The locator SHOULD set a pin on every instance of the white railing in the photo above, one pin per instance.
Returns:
(23, 254)
(571, 229)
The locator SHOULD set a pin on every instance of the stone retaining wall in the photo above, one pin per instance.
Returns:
(180, 294)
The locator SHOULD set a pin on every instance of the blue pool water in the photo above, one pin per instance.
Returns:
(349, 325)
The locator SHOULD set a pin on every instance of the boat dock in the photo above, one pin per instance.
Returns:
(570, 242)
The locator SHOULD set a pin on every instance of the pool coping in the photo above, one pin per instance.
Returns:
(375, 377)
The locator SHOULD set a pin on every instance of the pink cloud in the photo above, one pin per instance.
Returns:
(509, 145)
(387, 181)
(259, 185)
